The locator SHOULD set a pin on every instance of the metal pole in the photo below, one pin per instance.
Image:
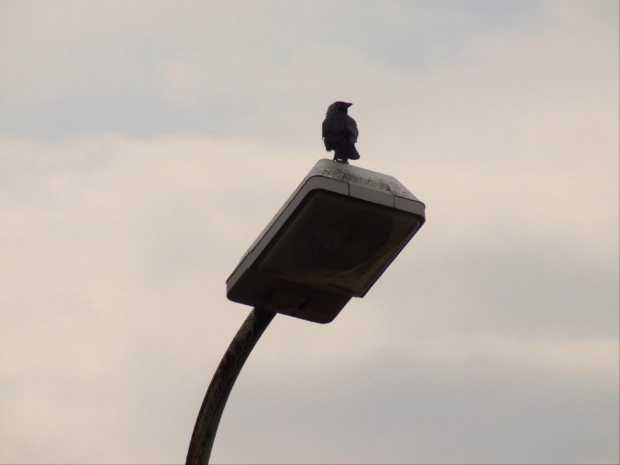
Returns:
(222, 383)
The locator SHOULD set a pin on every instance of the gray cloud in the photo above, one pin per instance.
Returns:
(391, 408)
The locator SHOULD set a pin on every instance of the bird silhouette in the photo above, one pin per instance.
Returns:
(340, 132)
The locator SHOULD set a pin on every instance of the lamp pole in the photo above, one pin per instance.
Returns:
(331, 241)
(222, 383)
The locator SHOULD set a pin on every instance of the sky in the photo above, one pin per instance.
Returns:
(145, 145)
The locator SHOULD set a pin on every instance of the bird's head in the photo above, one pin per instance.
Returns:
(338, 107)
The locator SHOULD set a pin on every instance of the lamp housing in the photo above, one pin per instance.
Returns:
(332, 239)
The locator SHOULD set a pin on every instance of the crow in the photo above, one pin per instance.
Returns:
(340, 132)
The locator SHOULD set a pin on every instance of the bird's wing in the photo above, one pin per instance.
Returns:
(351, 127)
(324, 128)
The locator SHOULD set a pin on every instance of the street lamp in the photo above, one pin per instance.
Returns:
(333, 238)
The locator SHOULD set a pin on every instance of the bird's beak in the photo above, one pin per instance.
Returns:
(348, 104)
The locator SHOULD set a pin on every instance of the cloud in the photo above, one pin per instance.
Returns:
(269, 72)
(115, 254)
(145, 145)
(405, 410)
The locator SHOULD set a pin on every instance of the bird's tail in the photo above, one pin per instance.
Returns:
(354, 154)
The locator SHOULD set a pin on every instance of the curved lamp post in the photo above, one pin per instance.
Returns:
(332, 240)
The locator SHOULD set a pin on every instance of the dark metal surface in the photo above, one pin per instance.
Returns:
(222, 383)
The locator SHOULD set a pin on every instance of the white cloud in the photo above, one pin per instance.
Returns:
(115, 251)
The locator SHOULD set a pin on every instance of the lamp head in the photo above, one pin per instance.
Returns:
(331, 241)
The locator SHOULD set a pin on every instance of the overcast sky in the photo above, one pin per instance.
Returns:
(145, 145)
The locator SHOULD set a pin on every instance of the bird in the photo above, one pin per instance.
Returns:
(340, 132)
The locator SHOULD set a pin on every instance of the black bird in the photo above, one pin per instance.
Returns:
(340, 132)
